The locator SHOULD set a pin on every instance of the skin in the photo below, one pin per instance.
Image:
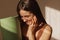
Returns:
(31, 21)
(28, 17)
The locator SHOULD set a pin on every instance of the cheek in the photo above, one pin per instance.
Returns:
(30, 18)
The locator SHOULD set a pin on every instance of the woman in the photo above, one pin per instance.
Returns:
(33, 25)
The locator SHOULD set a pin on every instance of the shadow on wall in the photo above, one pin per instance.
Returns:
(55, 4)
(50, 3)
(42, 6)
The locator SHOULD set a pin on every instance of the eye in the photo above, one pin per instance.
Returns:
(22, 17)
(25, 16)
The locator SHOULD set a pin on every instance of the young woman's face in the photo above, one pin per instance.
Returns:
(28, 17)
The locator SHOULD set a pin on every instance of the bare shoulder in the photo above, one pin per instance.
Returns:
(48, 29)
(44, 33)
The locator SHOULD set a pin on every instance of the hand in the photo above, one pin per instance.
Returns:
(31, 27)
(31, 30)
(33, 23)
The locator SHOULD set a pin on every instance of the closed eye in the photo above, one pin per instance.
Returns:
(28, 15)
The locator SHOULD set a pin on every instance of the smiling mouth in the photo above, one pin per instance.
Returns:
(28, 23)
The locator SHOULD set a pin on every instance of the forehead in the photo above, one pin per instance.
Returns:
(23, 12)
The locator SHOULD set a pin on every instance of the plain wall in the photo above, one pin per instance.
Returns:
(8, 8)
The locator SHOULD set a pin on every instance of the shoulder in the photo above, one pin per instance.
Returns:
(45, 32)
(48, 30)
(48, 27)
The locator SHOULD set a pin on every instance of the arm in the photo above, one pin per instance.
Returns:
(30, 33)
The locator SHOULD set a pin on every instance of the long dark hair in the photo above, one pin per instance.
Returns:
(32, 6)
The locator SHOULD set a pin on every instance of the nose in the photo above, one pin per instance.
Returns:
(24, 19)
